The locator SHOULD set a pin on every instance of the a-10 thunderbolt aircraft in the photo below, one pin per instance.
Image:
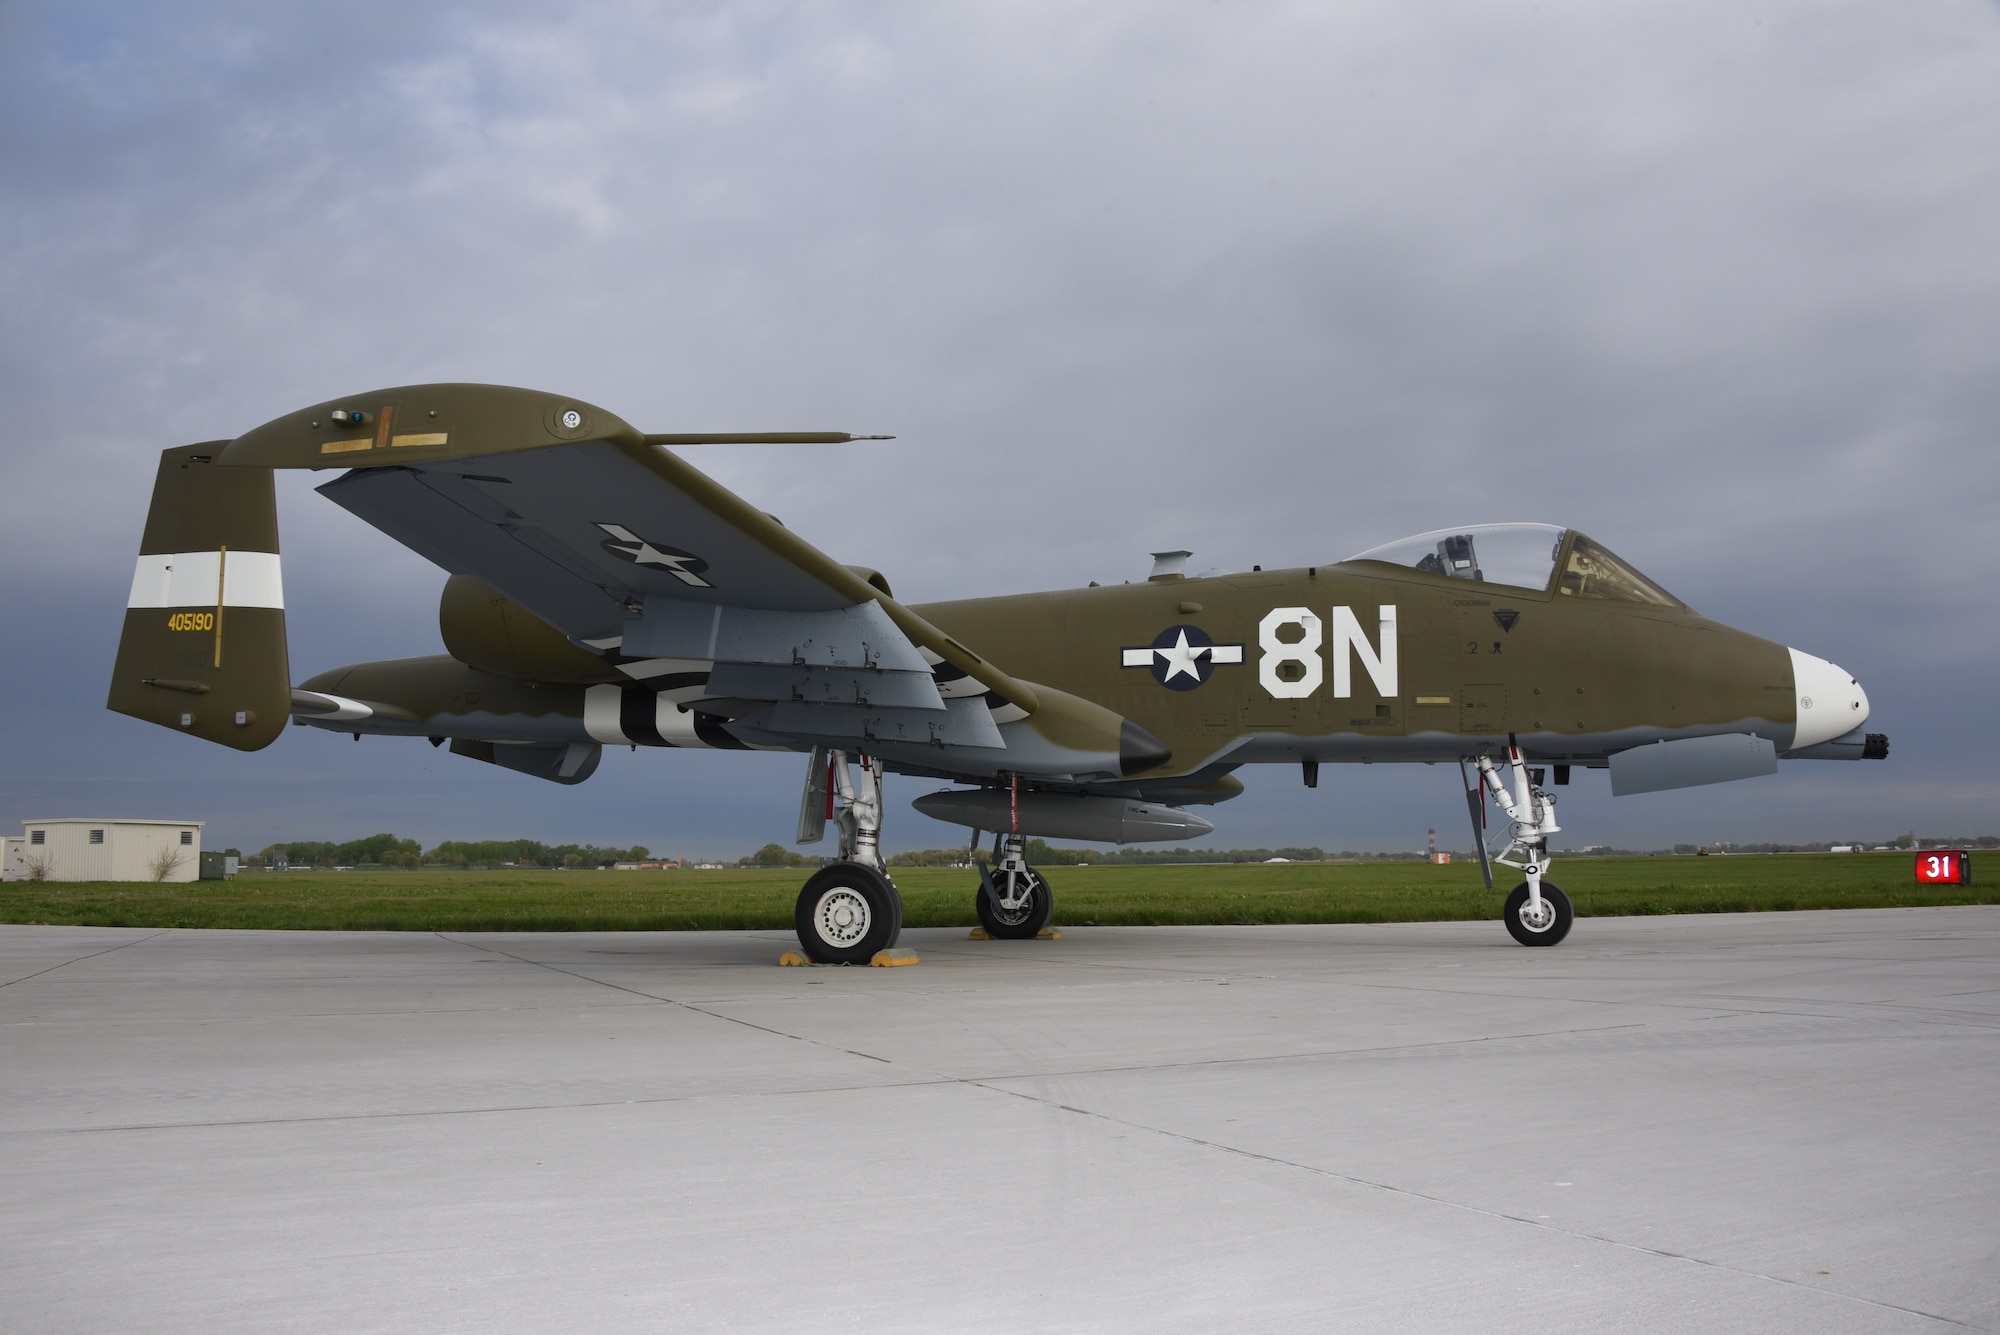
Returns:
(604, 592)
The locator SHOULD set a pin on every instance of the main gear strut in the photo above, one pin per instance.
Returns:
(850, 909)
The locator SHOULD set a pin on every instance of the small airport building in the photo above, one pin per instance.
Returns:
(104, 850)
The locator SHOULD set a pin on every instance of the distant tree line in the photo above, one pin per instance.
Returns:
(386, 850)
(1899, 841)
(777, 855)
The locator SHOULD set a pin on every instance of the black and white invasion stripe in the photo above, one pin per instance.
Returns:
(957, 683)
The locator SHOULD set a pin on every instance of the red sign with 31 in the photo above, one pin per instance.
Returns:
(1943, 867)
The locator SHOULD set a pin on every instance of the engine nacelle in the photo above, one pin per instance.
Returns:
(485, 630)
(1109, 820)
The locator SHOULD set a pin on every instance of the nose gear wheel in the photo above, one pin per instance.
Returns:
(1023, 920)
(1014, 902)
(1543, 928)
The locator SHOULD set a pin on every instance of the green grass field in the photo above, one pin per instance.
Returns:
(556, 901)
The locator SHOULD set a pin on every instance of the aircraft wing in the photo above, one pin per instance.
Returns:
(632, 552)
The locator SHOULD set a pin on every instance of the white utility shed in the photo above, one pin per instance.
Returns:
(109, 850)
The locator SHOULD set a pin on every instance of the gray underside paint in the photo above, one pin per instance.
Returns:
(1691, 762)
(1591, 749)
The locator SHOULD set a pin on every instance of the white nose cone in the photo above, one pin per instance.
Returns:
(1831, 703)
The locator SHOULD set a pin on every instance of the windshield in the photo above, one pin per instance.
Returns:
(1523, 555)
(1593, 572)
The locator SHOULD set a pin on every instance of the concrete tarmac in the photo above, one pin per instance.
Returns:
(1771, 1122)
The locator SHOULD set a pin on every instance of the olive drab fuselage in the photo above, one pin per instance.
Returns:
(1474, 664)
(1571, 679)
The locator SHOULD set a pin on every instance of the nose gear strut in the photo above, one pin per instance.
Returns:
(1014, 899)
(1537, 912)
(1014, 902)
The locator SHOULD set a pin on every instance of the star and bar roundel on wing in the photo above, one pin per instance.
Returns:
(629, 546)
(1182, 657)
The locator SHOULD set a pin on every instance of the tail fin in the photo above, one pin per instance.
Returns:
(204, 645)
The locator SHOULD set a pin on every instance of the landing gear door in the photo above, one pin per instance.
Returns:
(1475, 805)
(814, 801)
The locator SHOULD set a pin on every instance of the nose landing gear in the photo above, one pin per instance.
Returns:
(1014, 900)
(1537, 912)
(849, 910)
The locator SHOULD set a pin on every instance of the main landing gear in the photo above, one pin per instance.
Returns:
(849, 909)
(1537, 912)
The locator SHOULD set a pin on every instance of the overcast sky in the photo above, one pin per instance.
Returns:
(1718, 283)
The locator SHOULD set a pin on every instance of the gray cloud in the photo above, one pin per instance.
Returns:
(1714, 282)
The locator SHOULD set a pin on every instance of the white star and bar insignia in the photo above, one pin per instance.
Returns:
(1182, 657)
(683, 566)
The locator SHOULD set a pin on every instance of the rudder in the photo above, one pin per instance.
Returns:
(203, 650)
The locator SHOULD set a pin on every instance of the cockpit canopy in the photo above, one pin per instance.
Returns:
(1525, 556)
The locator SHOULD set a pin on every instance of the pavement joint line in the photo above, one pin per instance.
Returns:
(930, 1079)
(1051, 960)
(279, 1017)
(488, 1110)
(730, 1019)
(1647, 1003)
(1887, 1004)
(1972, 1019)
(1447, 1203)
(1317, 1054)
(651, 996)
(1167, 1066)
(137, 941)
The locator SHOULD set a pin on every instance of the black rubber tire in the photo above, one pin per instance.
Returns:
(1032, 917)
(846, 913)
(1558, 926)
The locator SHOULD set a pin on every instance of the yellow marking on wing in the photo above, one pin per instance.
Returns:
(343, 446)
(423, 438)
(1433, 699)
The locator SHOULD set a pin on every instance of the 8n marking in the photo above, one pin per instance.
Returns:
(1349, 642)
